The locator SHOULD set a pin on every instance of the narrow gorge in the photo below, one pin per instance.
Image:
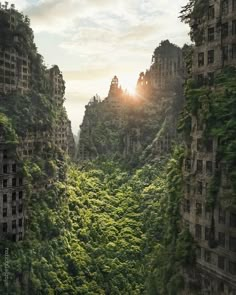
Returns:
(145, 202)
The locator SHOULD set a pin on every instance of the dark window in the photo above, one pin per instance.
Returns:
(20, 195)
(188, 188)
(4, 227)
(13, 224)
(200, 79)
(233, 219)
(13, 196)
(14, 168)
(201, 59)
(207, 283)
(5, 182)
(199, 145)
(188, 165)
(14, 237)
(20, 222)
(198, 231)
(207, 233)
(199, 187)
(20, 210)
(232, 267)
(234, 5)
(221, 262)
(198, 252)
(211, 55)
(211, 34)
(210, 78)
(186, 205)
(221, 239)
(209, 145)
(20, 181)
(221, 216)
(234, 27)
(207, 211)
(209, 167)
(221, 287)
(232, 244)
(225, 7)
(4, 212)
(225, 51)
(225, 30)
(198, 209)
(207, 256)
(211, 12)
(20, 236)
(13, 210)
(5, 169)
(4, 154)
(199, 166)
(4, 198)
(233, 51)
(14, 182)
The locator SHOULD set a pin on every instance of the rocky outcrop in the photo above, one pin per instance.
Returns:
(141, 125)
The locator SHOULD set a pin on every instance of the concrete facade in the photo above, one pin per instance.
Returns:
(15, 67)
(216, 46)
(213, 228)
(12, 193)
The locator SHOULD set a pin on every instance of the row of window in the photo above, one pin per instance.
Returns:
(200, 165)
(204, 146)
(228, 51)
(220, 239)
(221, 261)
(198, 189)
(225, 31)
(8, 168)
(11, 75)
(14, 236)
(5, 211)
(12, 66)
(13, 84)
(225, 5)
(14, 224)
(13, 58)
(199, 212)
(61, 135)
(13, 197)
(13, 183)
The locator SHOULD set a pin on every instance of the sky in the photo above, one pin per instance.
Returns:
(93, 40)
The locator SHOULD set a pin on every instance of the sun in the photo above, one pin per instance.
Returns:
(131, 90)
(128, 83)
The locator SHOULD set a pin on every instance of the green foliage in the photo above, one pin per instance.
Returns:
(29, 113)
(194, 9)
(100, 231)
(177, 248)
(20, 36)
(191, 14)
(215, 108)
(7, 132)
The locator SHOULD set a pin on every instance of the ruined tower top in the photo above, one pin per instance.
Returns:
(114, 88)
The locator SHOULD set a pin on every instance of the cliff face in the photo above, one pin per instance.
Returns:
(34, 127)
(143, 125)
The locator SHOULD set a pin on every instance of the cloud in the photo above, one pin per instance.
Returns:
(95, 39)
(21, 4)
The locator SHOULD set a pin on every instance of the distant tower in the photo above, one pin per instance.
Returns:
(114, 88)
